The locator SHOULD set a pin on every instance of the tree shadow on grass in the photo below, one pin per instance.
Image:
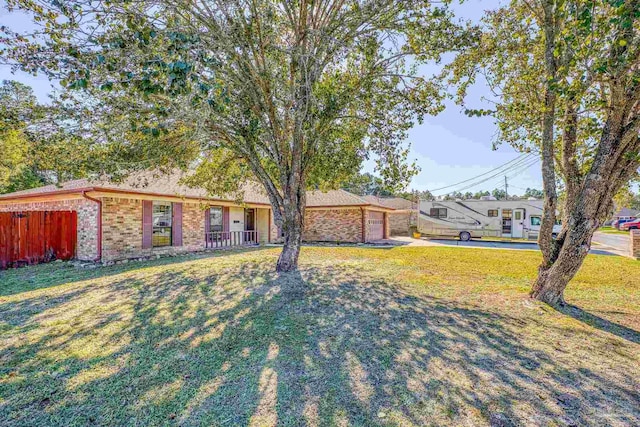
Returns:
(598, 322)
(237, 344)
(41, 276)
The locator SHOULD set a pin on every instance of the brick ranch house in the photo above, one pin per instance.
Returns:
(144, 217)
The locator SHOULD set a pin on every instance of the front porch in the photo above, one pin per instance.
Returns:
(227, 239)
(229, 226)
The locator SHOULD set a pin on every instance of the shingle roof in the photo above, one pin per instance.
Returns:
(391, 202)
(334, 198)
(626, 212)
(69, 185)
(163, 184)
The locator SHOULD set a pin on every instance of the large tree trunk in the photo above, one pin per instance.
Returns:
(545, 238)
(292, 226)
(294, 203)
(586, 207)
(571, 249)
(588, 194)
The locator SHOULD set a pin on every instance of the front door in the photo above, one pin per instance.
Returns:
(249, 219)
(507, 222)
(518, 223)
(250, 234)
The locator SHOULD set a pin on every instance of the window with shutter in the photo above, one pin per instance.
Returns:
(162, 224)
(216, 219)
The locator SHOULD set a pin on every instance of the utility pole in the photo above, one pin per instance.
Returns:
(506, 188)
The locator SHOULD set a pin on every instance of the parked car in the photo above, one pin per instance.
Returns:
(630, 225)
(617, 223)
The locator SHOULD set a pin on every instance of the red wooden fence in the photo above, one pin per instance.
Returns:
(34, 237)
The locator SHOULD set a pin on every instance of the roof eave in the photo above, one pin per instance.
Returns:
(352, 206)
(9, 197)
(146, 193)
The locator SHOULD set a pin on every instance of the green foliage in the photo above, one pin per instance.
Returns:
(533, 192)
(596, 85)
(366, 184)
(415, 195)
(34, 151)
(17, 109)
(288, 91)
(590, 49)
(14, 148)
(499, 193)
(480, 194)
(627, 198)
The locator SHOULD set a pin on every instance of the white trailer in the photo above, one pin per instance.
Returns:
(466, 219)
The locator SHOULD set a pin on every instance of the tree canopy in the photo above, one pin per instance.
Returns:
(366, 184)
(33, 154)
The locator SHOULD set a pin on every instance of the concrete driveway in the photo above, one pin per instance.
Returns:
(618, 243)
(479, 243)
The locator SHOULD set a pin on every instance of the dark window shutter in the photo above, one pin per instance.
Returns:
(207, 220)
(225, 219)
(147, 224)
(177, 224)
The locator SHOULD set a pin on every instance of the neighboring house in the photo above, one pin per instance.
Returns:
(148, 216)
(626, 213)
(404, 215)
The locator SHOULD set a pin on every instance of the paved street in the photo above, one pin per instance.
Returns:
(618, 242)
(598, 250)
(619, 249)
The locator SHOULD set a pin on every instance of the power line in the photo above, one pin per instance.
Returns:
(524, 168)
(515, 172)
(519, 188)
(522, 165)
(519, 158)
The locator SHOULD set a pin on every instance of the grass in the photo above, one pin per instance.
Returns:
(611, 230)
(359, 337)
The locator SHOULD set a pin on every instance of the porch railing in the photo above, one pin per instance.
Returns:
(226, 239)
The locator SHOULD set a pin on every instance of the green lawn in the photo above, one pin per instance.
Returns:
(403, 336)
(611, 230)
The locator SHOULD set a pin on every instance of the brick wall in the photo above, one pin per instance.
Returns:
(122, 230)
(634, 243)
(87, 248)
(399, 223)
(193, 226)
(333, 225)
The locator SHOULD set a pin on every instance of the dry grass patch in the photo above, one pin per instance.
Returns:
(360, 337)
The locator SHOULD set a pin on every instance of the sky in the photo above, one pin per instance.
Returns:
(449, 148)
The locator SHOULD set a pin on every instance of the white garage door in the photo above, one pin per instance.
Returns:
(376, 225)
